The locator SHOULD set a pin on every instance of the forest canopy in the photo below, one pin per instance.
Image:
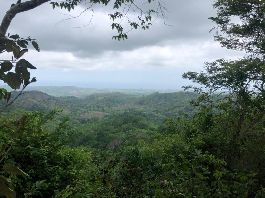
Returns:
(204, 144)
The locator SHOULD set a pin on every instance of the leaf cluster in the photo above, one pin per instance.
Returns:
(15, 72)
(241, 25)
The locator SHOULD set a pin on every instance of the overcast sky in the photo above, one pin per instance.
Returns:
(81, 52)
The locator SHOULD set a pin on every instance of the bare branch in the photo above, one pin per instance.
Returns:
(14, 10)
(16, 97)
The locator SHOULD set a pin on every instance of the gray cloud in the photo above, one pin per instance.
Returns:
(88, 56)
(188, 20)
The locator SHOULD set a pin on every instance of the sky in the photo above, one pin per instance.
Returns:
(77, 48)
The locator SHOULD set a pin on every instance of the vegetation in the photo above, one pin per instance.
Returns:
(153, 145)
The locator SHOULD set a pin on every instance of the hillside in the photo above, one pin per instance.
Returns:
(100, 104)
(81, 92)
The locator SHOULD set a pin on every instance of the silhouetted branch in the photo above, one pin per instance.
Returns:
(14, 10)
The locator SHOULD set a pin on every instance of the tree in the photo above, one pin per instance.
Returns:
(16, 71)
(237, 117)
(50, 168)
(240, 25)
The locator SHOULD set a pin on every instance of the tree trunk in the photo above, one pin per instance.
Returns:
(14, 10)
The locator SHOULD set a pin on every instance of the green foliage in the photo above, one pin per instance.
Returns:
(214, 149)
(50, 169)
(245, 75)
(130, 154)
(172, 167)
(15, 72)
(231, 126)
(157, 106)
(113, 131)
(240, 24)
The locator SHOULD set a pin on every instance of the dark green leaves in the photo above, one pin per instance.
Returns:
(21, 53)
(6, 66)
(23, 43)
(35, 45)
(24, 74)
(14, 36)
(4, 94)
(33, 80)
(20, 76)
(15, 72)
(240, 25)
(24, 63)
(68, 5)
(13, 80)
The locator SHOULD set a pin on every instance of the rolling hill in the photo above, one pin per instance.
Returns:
(99, 105)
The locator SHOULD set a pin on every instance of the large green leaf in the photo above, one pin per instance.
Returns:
(22, 52)
(25, 63)
(24, 73)
(35, 45)
(15, 36)
(6, 66)
(11, 46)
(13, 80)
(23, 43)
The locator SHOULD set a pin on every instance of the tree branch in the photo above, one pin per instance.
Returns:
(14, 10)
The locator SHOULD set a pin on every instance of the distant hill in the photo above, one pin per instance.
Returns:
(167, 104)
(33, 100)
(83, 92)
(98, 105)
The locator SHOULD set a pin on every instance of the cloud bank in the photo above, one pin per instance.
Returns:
(83, 44)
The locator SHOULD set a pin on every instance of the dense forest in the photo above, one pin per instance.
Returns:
(127, 145)
(101, 119)
(208, 141)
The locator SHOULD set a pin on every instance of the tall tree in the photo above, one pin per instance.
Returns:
(240, 26)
